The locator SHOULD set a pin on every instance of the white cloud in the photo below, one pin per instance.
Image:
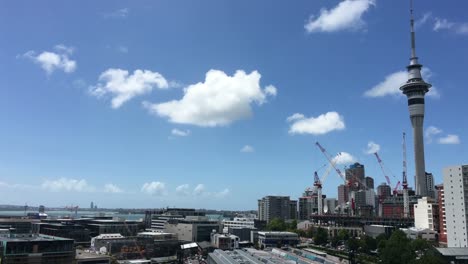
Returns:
(183, 190)
(218, 101)
(392, 83)
(347, 15)
(420, 22)
(199, 190)
(430, 132)
(444, 24)
(67, 184)
(112, 188)
(344, 158)
(449, 139)
(154, 188)
(119, 13)
(372, 147)
(123, 87)
(51, 61)
(223, 193)
(247, 149)
(320, 125)
(180, 133)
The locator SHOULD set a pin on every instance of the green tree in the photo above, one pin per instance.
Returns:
(276, 224)
(343, 234)
(352, 244)
(397, 249)
(293, 225)
(370, 243)
(321, 236)
(310, 232)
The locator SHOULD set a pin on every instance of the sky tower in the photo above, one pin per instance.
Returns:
(415, 89)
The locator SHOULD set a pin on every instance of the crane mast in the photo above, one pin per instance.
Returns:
(406, 211)
(318, 184)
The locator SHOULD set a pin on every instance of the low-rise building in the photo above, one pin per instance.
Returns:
(275, 239)
(87, 257)
(36, 249)
(193, 229)
(225, 241)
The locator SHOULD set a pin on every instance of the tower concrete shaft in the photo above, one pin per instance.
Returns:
(415, 89)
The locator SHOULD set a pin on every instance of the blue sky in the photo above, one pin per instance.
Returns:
(214, 104)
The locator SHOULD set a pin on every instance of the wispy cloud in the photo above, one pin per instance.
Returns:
(112, 188)
(430, 132)
(67, 184)
(454, 27)
(51, 61)
(218, 101)
(119, 13)
(123, 86)
(199, 190)
(347, 15)
(390, 86)
(183, 190)
(319, 125)
(180, 133)
(450, 139)
(423, 20)
(372, 147)
(247, 149)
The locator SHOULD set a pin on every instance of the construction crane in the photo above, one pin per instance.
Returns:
(338, 171)
(382, 167)
(406, 211)
(318, 185)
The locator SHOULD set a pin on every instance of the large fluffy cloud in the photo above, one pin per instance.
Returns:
(346, 15)
(219, 100)
(53, 60)
(320, 125)
(123, 86)
(392, 83)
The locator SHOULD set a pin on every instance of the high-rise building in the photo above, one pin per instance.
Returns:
(415, 88)
(442, 218)
(270, 207)
(355, 174)
(456, 205)
(430, 185)
(343, 194)
(384, 191)
(369, 182)
(91, 206)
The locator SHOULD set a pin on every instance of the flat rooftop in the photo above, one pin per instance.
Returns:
(34, 238)
(81, 254)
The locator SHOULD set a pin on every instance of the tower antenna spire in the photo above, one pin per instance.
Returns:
(413, 37)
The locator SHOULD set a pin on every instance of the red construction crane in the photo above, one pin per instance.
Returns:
(382, 167)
